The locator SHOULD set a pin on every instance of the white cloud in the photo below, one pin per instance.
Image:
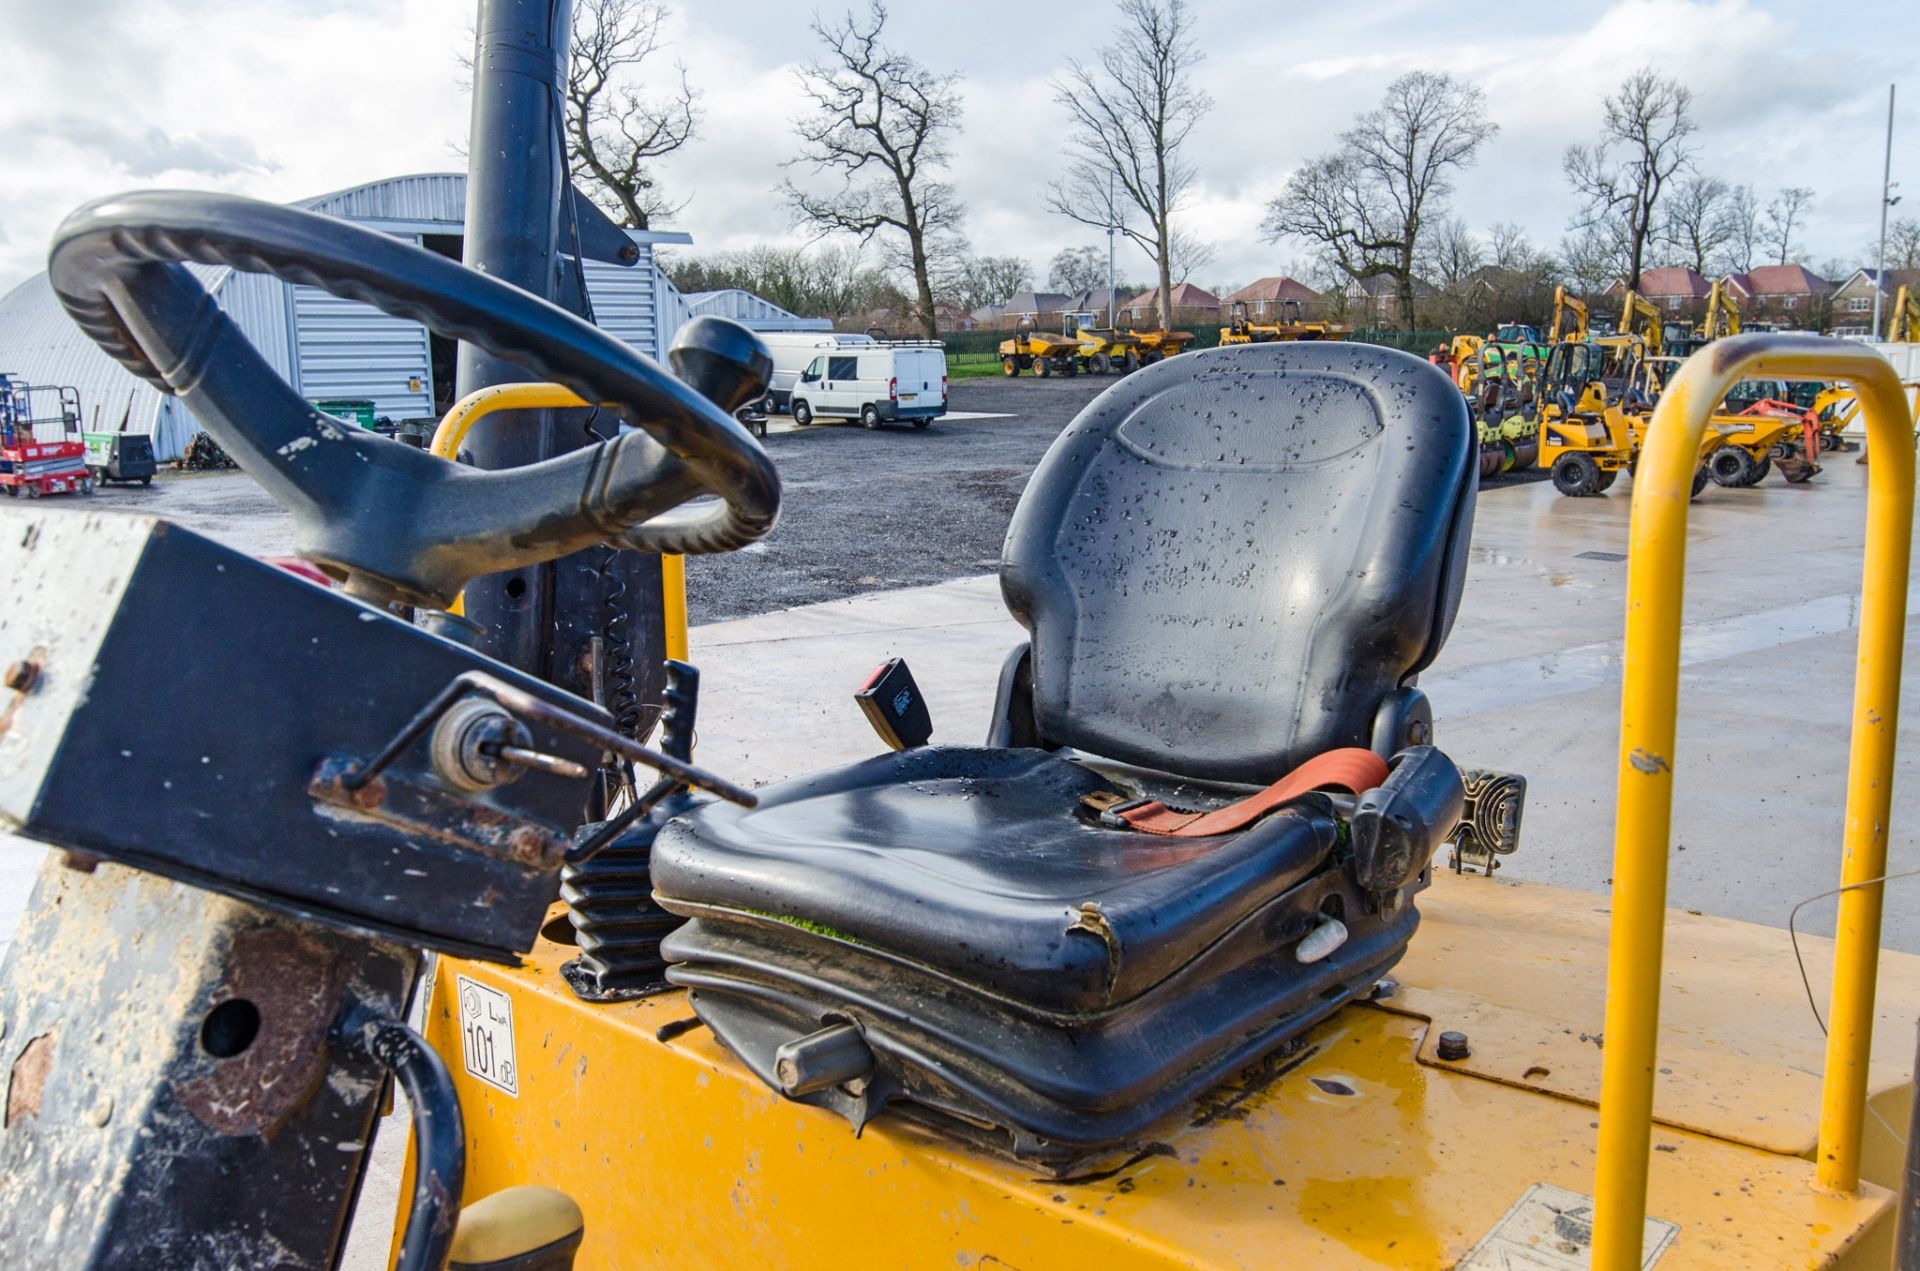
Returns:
(287, 98)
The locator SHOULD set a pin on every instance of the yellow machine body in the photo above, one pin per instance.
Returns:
(1042, 352)
(1362, 1149)
(1569, 318)
(1291, 325)
(1720, 1125)
(1101, 350)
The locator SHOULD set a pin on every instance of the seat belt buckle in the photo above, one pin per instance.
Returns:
(892, 703)
(1107, 806)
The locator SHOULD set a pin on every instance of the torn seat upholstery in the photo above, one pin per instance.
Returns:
(1228, 564)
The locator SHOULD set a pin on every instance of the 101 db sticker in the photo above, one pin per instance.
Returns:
(486, 1035)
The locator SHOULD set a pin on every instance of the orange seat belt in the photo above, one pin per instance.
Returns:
(1351, 769)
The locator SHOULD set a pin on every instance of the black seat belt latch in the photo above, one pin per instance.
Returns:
(893, 705)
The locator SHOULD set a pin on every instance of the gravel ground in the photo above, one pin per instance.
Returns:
(862, 511)
(896, 507)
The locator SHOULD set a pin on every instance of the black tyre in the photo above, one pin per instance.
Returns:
(145, 482)
(802, 412)
(1099, 364)
(1700, 480)
(1607, 478)
(1730, 466)
(1576, 475)
(1132, 363)
(1009, 367)
(869, 416)
(921, 423)
(1043, 367)
(1070, 367)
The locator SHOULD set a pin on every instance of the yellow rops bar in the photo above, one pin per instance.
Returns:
(1655, 586)
(470, 409)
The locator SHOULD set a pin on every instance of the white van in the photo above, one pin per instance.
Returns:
(793, 350)
(857, 377)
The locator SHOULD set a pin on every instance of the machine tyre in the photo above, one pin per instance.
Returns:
(1576, 475)
(1731, 466)
(1043, 367)
(1700, 480)
(802, 413)
(1070, 367)
(1761, 469)
(1099, 364)
(1009, 367)
(1607, 478)
(869, 416)
(1132, 363)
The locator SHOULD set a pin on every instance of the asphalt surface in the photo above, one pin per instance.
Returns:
(894, 507)
(862, 511)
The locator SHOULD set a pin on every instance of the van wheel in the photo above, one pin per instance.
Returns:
(869, 416)
(1576, 475)
(802, 413)
(921, 423)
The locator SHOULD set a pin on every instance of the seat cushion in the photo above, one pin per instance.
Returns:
(980, 866)
(1229, 559)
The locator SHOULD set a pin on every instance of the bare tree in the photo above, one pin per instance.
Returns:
(1786, 213)
(615, 130)
(985, 280)
(881, 122)
(1132, 114)
(1075, 269)
(1697, 222)
(1903, 244)
(1365, 204)
(1642, 145)
(1744, 228)
(1591, 259)
(1451, 254)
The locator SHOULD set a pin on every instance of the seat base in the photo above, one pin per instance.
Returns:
(1049, 1089)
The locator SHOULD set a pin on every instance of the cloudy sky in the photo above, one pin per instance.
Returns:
(287, 98)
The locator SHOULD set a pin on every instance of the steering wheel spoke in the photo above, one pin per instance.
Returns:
(398, 523)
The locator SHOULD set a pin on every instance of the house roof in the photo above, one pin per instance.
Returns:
(1185, 296)
(1892, 281)
(1035, 302)
(1679, 281)
(1273, 288)
(1780, 280)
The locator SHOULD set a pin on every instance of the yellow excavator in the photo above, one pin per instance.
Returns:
(1569, 318)
(1199, 959)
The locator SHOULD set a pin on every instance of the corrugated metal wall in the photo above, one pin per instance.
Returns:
(324, 346)
(351, 350)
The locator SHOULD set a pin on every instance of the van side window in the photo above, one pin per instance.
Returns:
(843, 368)
(812, 373)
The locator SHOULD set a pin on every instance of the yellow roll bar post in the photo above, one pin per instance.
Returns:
(476, 405)
(1655, 586)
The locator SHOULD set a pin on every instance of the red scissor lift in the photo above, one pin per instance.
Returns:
(41, 453)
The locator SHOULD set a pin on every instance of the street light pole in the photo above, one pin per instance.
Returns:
(1112, 217)
(1886, 177)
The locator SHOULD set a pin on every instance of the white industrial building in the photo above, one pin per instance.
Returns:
(329, 348)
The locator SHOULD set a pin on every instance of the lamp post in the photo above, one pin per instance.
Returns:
(1886, 201)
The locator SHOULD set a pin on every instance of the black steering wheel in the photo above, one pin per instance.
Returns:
(396, 523)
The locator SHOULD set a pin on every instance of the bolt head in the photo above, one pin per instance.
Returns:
(21, 675)
(1453, 1046)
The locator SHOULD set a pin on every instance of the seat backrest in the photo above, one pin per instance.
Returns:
(1230, 558)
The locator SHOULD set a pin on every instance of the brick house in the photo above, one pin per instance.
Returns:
(1267, 298)
(1783, 295)
(1191, 304)
(1375, 301)
(1678, 292)
(1853, 298)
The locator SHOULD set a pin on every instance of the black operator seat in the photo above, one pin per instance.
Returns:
(1229, 563)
